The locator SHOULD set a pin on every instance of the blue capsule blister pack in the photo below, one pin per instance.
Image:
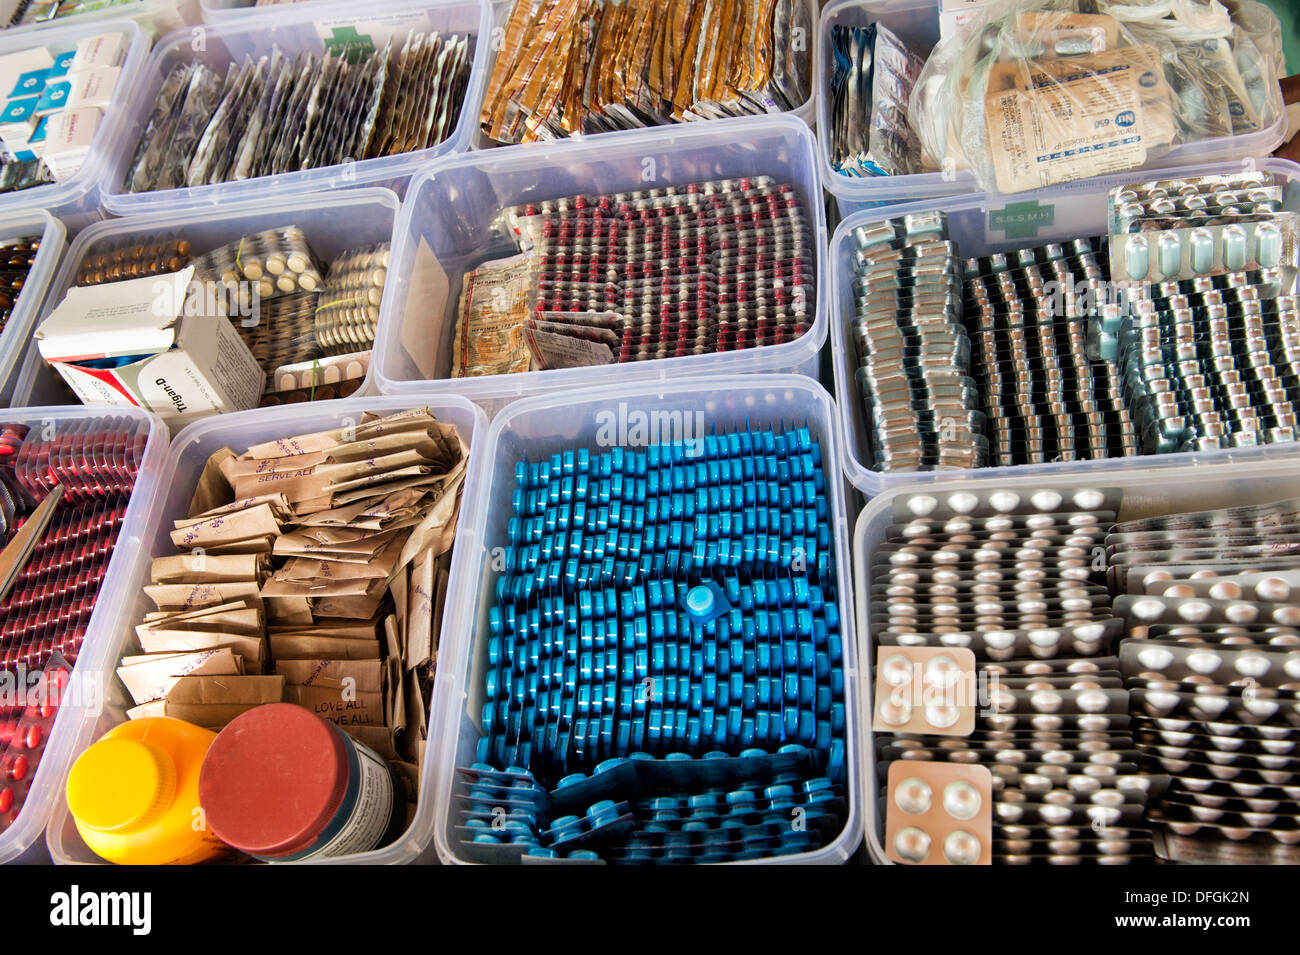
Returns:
(666, 628)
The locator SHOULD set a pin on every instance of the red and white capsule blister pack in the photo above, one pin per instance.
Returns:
(928, 690)
(939, 814)
(19, 760)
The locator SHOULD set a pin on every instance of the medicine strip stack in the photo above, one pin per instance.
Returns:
(1177, 331)
(286, 113)
(1207, 338)
(16, 259)
(708, 267)
(995, 651)
(664, 677)
(309, 325)
(44, 616)
(569, 67)
(1211, 609)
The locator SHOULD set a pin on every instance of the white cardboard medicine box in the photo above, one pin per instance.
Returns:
(147, 342)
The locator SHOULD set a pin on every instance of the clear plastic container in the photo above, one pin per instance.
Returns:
(156, 17)
(333, 223)
(74, 726)
(805, 111)
(18, 330)
(543, 425)
(446, 229)
(917, 24)
(1145, 493)
(179, 475)
(980, 224)
(79, 194)
(295, 28)
(227, 11)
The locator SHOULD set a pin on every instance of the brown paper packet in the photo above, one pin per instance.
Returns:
(172, 597)
(204, 568)
(299, 646)
(260, 521)
(312, 569)
(395, 698)
(211, 716)
(254, 545)
(197, 613)
(342, 537)
(216, 690)
(348, 629)
(417, 717)
(398, 505)
(441, 602)
(421, 599)
(371, 426)
(212, 490)
(432, 531)
(339, 707)
(279, 506)
(378, 492)
(279, 586)
(399, 589)
(252, 649)
(149, 677)
(247, 623)
(378, 738)
(391, 638)
(367, 676)
(289, 610)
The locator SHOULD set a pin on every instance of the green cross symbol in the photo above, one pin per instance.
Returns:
(1021, 220)
(347, 41)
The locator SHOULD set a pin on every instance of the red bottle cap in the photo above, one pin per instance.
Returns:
(272, 779)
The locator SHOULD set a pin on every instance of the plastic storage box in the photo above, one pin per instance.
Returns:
(179, 476)
(917, 24)
(1144, 494)
(227, 11)
(74, 726)
(78, 195)
(332, 222)
(501, 14)
(980, 224)
(18, 331)
(451, 223)
(155, 17)
(543, 425)
(294, 28)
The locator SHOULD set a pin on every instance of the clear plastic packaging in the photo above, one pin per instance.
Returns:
(75, 726)
(449, 225)
(79, 194)
(295, 28)
(332, 223)
(543, 425)
(981, 224)
(916, 22)
(1141, 494)
(1034, 94)
(178, 476)
(18, 331)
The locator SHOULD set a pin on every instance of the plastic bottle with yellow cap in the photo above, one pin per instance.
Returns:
(134, 794)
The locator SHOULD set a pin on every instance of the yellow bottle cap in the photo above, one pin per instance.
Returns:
(120, 784)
